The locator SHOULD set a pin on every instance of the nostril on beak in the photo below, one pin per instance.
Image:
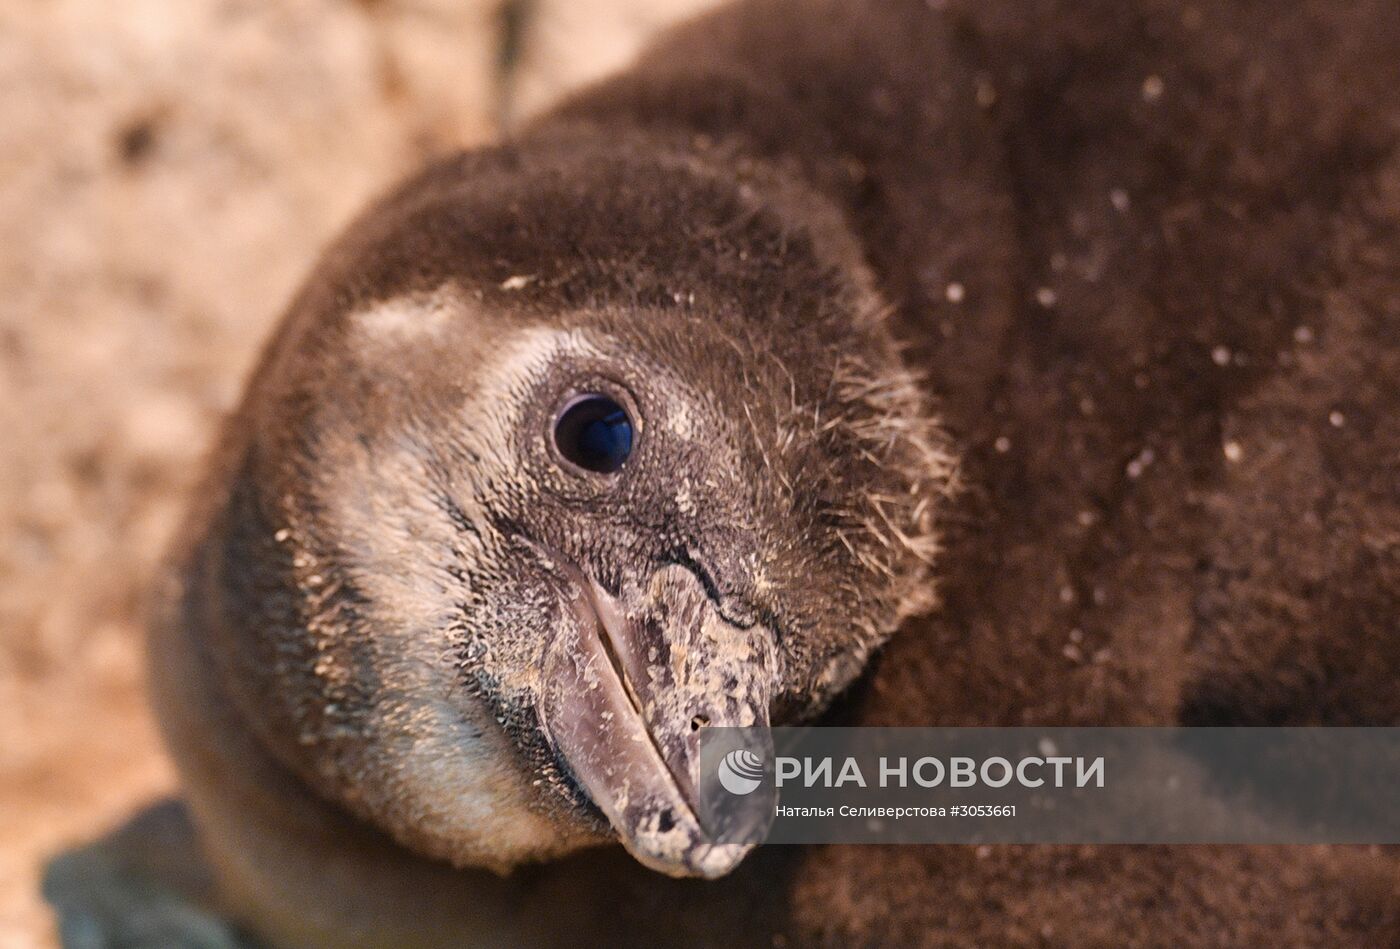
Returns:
(698, 722)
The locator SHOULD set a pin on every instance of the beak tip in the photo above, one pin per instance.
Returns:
(696, 858)
(719, 860)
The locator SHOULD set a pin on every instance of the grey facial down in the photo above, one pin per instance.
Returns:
(541, 559)
(636, 607)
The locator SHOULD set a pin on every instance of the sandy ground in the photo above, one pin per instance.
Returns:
(168, 170)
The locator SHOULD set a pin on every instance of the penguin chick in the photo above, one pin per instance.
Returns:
(573, 445)
(556, 461)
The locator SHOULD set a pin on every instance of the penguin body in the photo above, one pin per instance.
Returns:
(1129, 269)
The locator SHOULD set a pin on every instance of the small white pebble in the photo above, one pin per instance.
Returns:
(1337, 419)
(1072, 652)
(1233, 451)
(955, 292)
(1066, 595)
(1119, 199)
(518, 282)
(1220, 355)
(1002, 444)
(983, 852)
(282, 535)
(1152, 88)
(1087, 518)
(1303, 335)
(1139, 464)
(1047, 747)
(1046, 297)
(1076, 635)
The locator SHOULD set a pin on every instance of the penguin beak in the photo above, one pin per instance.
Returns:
(630, 687)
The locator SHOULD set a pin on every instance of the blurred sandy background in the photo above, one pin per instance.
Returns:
(168, 171)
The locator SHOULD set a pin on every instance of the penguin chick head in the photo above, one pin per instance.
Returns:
(538, 528)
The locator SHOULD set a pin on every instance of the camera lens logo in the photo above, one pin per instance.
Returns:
(740, 772)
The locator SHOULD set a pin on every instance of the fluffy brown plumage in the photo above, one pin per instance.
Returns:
(1143, 255)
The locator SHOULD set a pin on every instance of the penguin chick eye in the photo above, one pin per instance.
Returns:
(594, 432)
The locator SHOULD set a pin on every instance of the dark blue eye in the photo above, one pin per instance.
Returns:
(594, 433)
